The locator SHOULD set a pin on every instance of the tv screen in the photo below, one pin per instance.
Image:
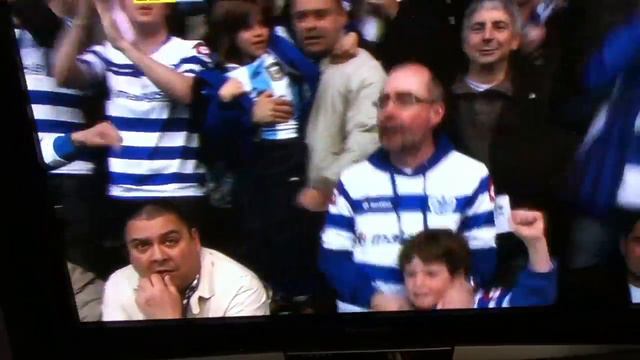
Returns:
(314, 174)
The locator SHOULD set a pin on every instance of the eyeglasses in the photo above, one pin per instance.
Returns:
(401, 99)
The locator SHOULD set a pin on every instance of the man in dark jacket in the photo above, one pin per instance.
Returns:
(498, 115)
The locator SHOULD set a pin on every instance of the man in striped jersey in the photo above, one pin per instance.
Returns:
(150, 87)
(414, 182)
(59, 113)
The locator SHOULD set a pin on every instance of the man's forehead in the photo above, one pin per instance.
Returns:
(490, 13)
(143, 227)
(413, 79)
(311, 5)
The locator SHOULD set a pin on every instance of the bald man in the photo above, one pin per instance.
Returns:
(415, 181)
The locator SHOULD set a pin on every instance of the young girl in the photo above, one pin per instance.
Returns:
(256, 125)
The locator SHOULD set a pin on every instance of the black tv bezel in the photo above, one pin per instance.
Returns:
(37, 298)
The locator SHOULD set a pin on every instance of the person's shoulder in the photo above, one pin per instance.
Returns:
(472, 167)
(224, 267)
(364, 64)
(125, 277)
(354, 176)
(181, 47)
(357, 169)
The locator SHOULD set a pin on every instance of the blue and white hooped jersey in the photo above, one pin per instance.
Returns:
(378, 207)
(267, 74)
(159, 156)
(56, 110)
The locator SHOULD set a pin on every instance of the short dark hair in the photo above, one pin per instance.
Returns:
(438, 245)
(227, 19)
(156, 208)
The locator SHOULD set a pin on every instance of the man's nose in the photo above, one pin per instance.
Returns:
(488, 34)
(308, 24)
(158, 253)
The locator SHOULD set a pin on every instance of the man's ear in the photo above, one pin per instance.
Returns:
(516, 41)
(195, 236)
(437, 114)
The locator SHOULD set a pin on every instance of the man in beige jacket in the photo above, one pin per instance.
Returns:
(342, 126)
(172, 276)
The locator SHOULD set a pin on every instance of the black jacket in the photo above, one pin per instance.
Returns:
(426, 31)
(527, 153)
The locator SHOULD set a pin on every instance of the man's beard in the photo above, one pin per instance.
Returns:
(402, 141)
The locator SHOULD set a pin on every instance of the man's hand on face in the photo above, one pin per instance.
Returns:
(158, 298)
(388, 302)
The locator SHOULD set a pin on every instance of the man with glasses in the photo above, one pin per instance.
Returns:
(415, 181)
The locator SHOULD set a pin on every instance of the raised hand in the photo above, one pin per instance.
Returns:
(109, 24)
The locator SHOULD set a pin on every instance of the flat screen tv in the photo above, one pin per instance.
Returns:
(218, 177)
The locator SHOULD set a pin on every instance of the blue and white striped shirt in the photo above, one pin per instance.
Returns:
(56, 110)
(378, 207)
(268, 74)
(160, 149)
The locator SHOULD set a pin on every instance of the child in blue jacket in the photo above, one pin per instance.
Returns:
(253, 107)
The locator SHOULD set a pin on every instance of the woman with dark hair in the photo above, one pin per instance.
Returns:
(255, 126)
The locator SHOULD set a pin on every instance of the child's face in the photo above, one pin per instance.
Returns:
(426, 283)
(253, 41)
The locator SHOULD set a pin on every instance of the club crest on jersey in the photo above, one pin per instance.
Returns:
(442, 204)
(275, 72)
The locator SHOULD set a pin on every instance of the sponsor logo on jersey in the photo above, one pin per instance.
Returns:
(441, 205)
(376, 205)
